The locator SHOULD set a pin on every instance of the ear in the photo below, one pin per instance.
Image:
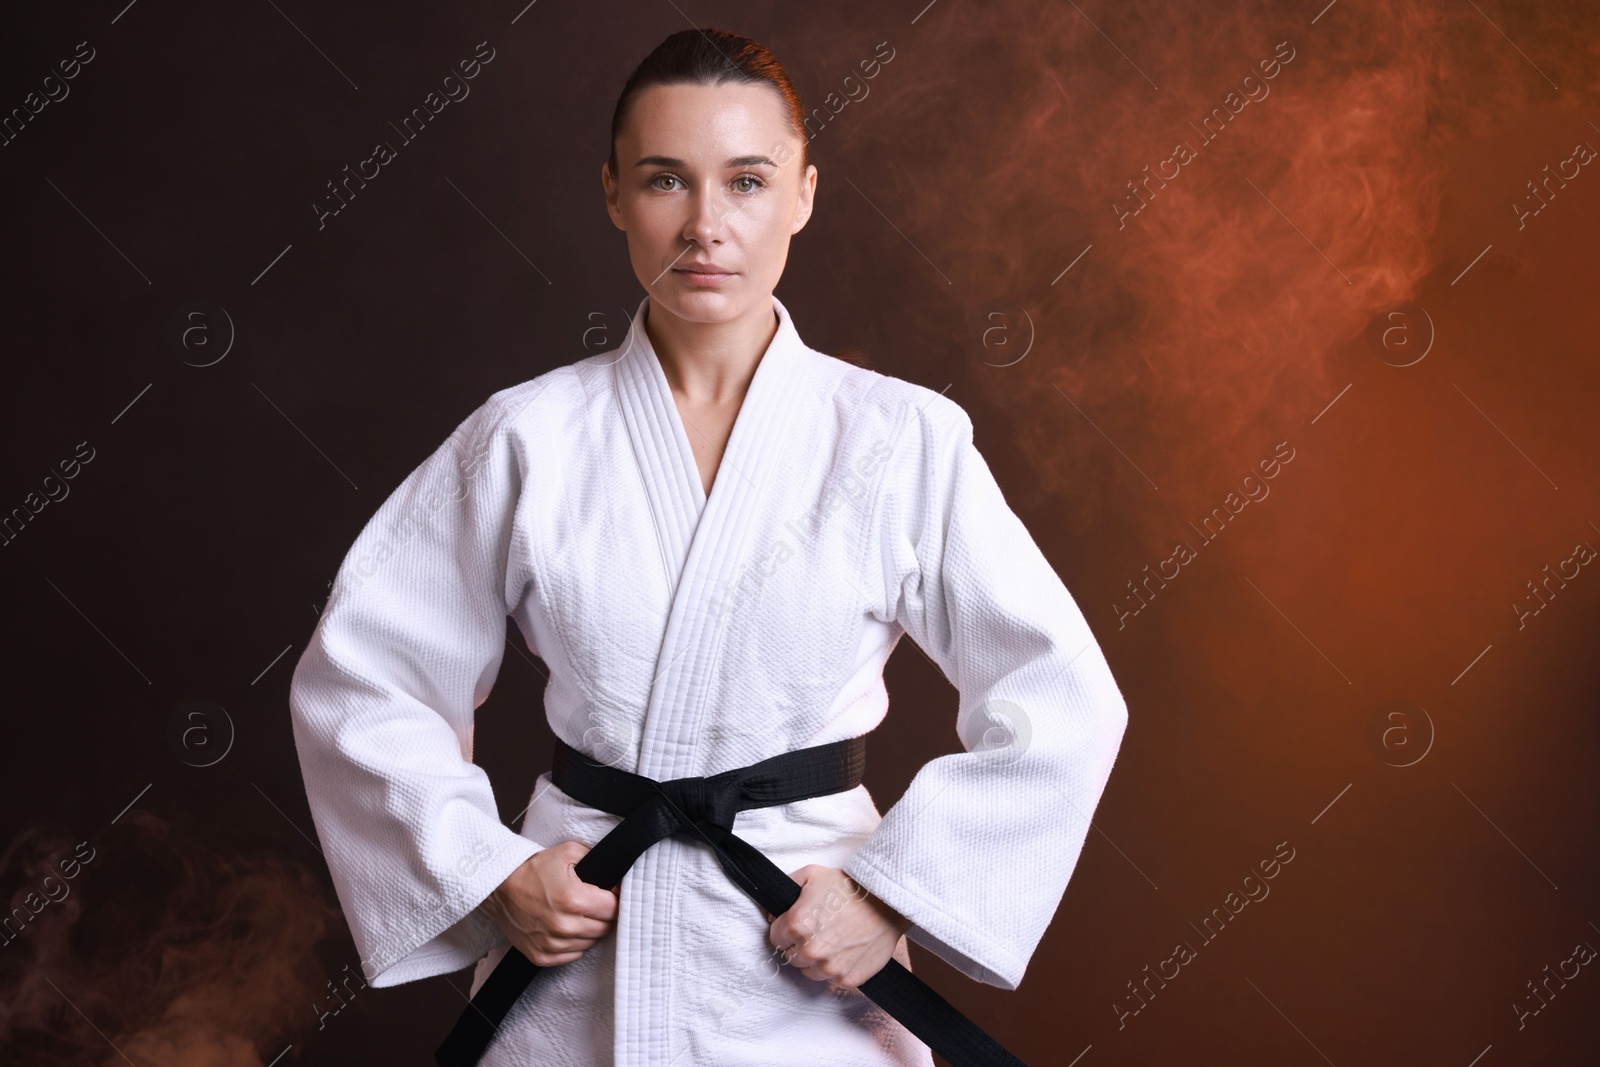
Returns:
(610, 186)
(803, 205)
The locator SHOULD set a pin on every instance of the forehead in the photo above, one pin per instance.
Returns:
(710, 121)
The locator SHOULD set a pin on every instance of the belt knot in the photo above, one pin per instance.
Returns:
(696, 799)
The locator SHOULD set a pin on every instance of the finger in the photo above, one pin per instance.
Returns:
(546, 959)
(813, 971)
(589, 890)
(553, 943)
(595, 903)
(566, 853)
(579, 926)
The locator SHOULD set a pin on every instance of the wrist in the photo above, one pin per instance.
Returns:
(900, 923)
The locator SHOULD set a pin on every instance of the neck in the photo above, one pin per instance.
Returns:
(711, 362)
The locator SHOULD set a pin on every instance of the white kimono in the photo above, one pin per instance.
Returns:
(687, 635)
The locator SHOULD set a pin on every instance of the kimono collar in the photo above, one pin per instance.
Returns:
(704, 540)
(661, 439)
(784, 348)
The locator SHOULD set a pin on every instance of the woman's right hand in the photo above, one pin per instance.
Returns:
(550, 914)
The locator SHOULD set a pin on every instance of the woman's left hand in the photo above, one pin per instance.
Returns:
(836, 932)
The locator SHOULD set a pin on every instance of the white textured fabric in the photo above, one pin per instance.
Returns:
(686, 635)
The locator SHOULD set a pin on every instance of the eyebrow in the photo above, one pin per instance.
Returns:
(736, 161)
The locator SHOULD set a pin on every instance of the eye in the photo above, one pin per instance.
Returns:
(663, 177)
(759, 183)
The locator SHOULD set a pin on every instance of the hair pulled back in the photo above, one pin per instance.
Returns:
(710, 56)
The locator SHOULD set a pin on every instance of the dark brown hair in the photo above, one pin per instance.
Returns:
(710, 56)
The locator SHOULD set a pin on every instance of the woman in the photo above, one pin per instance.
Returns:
(713, 536)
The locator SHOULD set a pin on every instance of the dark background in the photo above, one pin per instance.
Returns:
(1342, 266)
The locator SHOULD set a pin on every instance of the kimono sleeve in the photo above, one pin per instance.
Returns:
(383, 699)
(978, 851)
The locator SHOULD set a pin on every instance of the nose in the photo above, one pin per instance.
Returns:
(708, 215)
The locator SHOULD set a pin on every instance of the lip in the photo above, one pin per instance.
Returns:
(703, 275)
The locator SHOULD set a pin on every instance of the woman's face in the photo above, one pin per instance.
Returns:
(710, 178)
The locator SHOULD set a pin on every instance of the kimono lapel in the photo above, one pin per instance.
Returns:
(660, 446)
(703, 540)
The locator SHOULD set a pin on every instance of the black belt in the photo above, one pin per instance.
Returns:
(704, 808)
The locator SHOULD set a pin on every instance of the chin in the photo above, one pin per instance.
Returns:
(698, 306)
